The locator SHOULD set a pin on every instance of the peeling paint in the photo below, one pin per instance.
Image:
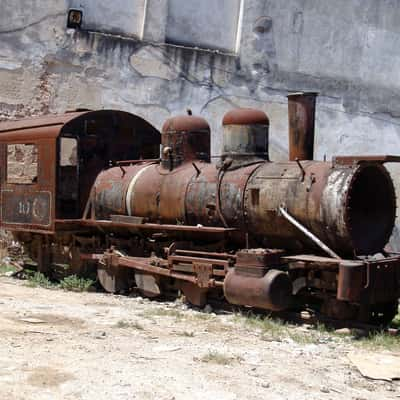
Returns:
(326, 47)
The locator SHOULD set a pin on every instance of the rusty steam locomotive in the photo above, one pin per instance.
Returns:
(90, 191)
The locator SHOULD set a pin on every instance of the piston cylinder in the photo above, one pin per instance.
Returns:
(273, 291)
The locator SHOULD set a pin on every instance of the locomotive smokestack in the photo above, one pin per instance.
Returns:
(301, 125)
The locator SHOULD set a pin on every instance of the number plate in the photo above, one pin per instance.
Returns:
(26, 208)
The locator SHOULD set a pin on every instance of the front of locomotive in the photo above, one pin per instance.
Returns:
(331, 219)
(349, 204)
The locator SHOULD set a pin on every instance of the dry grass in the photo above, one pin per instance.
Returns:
(122, 324)
(380, 341)
(273, 329)
(216, 357)
(172, 313)
(186, 334)
(162, 312)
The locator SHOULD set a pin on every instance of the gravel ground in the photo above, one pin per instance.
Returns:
(64, 345)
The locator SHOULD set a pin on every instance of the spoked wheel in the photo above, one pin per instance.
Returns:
(115, 280)
(378, 314)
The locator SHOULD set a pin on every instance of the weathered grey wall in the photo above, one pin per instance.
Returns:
(348, 50)
(215, 28)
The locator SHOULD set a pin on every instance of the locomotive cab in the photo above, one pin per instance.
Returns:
(49, 164)
(92, 142)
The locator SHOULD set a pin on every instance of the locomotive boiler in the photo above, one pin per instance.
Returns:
(264, 234)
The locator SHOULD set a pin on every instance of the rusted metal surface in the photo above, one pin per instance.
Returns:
(109, 191)
(32, 208)
(146, 190)
(160, 196)
(349, 209)
(104, 138)
(350, 160)
(369, 282)
(39, 127)
(382, 281)
(114, 279)
(127, 219)
(116, 192)
(184, 224)
(195, 275)
(194, 294)
(185, 138)
(325, 200)
(351, 281)
(216, 197)
(201, 198)
(204, 272)
(245, 116)
(232, 195)
(62, 191)
(245, 136)
(110, 225)
(185, 123)
(308, 234)
(128, 162)
(256, 262)
(301, 125)
(179, 196)
(273, 291)
(203, 277)
(29, 207)
(205, 254)
(146, 265)
(312, 260)
(187, 259)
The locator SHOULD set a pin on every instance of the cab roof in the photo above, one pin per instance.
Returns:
(51, 126)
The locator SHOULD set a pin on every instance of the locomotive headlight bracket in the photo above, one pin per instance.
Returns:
(75, 17)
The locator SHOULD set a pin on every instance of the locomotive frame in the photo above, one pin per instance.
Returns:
(78, 210)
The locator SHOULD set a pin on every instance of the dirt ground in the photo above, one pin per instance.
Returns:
(64, 345)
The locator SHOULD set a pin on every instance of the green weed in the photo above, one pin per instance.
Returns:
(4, 268)
(37, 279)
(76, 284)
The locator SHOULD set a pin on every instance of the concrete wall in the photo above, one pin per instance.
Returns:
(116, 16)
(216, 26)
(348, 50)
